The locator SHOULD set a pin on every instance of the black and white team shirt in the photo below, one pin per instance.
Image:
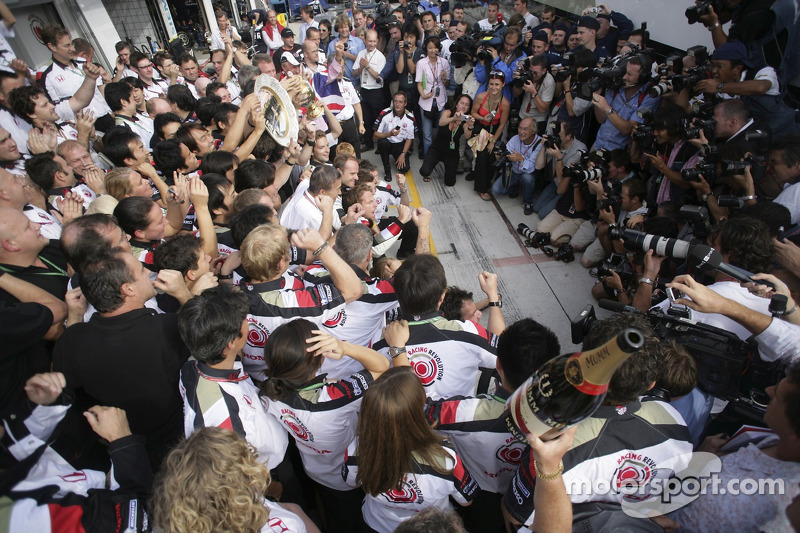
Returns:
(447, 355)
(425, 487)
(322, 419)
(361, 322)
(477, 428)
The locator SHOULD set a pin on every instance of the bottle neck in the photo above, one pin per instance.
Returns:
(590, 371)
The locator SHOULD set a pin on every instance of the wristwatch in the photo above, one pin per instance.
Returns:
(394, 351)
(498, 303)
(610, 112)
(720, 87)
(704, 197)
(311, 143)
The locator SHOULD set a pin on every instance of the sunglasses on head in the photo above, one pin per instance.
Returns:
(497, 75)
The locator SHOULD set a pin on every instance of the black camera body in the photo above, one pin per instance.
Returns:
(727, 367)
(691, 129)
(522, 73)
(501, 154)
(552, 141)
(462, 50)
(694, 13)
(580, 174)
(615, 263)
(733, 168)
(706, 168)
(484, 56)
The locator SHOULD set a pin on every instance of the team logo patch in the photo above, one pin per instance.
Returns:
(75, 477)
(339, 319)
(427, 365)
(257, 334)
(408, 493)
(296, 426)
(632, 473)
(511, 453)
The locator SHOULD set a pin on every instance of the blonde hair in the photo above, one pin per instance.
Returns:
(104, 204)
(211, 482)
(345, 148)
(262, 251)
(118, 183)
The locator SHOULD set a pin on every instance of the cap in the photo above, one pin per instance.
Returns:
(589, 22)
(288, 57)
(561, 27)
(542, 36)
(732, 50)
(287, 32)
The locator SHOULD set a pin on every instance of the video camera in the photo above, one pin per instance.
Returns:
(462, 50)
(383, 17)
(483, 55)
(728, 367)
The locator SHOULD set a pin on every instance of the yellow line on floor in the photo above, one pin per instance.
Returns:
(415, 200)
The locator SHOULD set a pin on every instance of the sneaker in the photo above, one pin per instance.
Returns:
(527, 209)
(388, 177)
(513, 195)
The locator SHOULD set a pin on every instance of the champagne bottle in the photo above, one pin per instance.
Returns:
(568, 388)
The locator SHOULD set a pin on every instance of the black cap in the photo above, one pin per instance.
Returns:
(287, 32)
(589, 22)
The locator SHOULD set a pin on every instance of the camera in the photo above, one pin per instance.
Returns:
(522, 73)
(638, 241)
(346, 45)
(697, 218)
(616, 263)
(694, 13)
(534, 239)
(501, 153)
(565, 252)
(678, 82)
(644, 134)
(462, 50)
(691, 129)
(727, 367)
(552, 141)
(733, 168)
(707, 169)
(484, 56)
(609, 75)
(578, 174)
(613, 200)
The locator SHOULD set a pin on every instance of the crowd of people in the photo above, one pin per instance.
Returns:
(205, 326)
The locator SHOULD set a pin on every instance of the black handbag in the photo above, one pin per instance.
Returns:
(433, 114)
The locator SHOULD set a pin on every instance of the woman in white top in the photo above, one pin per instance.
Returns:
(403, 465)
(432, 78)
(320, 414)
(213, 482)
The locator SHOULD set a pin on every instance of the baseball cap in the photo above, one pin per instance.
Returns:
(288, 57)
(287, 32)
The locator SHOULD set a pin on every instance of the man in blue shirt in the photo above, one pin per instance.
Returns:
(523, 148)
(353, 45)
(504, 61)
(617, 110)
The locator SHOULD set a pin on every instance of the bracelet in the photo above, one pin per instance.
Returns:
(319, 250)
(790, 311)
(548, 477)
(746, 198)
(225, 276)
(714, 27)
(647, 281)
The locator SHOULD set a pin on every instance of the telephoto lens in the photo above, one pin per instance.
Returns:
(641, 241)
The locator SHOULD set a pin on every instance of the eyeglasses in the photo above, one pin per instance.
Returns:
(149, 65)
(497, 75)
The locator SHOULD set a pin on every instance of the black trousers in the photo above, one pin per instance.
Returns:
(386, 149)
(373, 101)
(432, 158)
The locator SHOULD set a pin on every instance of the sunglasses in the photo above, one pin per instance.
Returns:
(497, 75)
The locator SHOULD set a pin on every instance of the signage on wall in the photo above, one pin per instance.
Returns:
(37, 25)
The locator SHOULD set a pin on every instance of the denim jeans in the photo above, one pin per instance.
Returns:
(428, 130)
(547, 201)
(526, 178)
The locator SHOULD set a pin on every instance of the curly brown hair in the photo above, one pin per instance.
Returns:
(211, 482)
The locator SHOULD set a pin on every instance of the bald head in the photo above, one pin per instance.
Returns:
(201, 85)
(12, 194)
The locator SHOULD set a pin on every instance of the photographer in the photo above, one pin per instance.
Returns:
(568, 108)
(733, 123)
(733, 74)
(678, 155)
(552, 161)
(523, 149)
(617, 110)
(784, 168)
(505, 60)
(537, 93)
(629, 213)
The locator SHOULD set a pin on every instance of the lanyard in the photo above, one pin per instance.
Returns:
(58, 270)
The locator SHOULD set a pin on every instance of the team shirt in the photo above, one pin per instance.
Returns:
(388, 121)
(375, 61)
(54, 196)
(423, 488)
(228, 399)
(384, 197)
(62, 81)
(274, 303)
(477, 427)
(446, 354)
(141, 125)
(322, 419)
(17, 127)
(282, 520)
(621, 446)
(361, 321)
(302, 211)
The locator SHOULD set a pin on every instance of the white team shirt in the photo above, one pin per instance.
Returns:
(376, 61)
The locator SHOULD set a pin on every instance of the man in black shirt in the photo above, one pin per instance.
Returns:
(126, 356)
